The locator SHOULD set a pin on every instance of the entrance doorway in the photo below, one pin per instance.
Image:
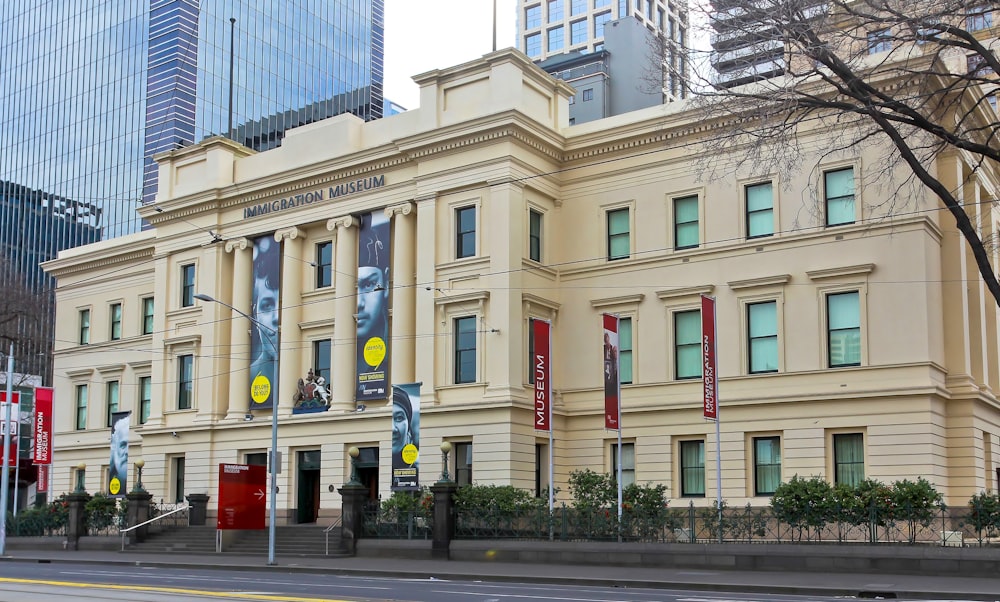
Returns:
(367, 464)
(308, 492)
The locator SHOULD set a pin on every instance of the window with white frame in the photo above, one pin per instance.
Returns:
(692, 468)
(619, 244)
(324, 264)
(628, 463)
(147, 315)
(533, 16)
(115, 317)
(879, 40)
(978, 18)
(555, 11)
(556, 39)
(81, 407)
(84, 327)
(760, 210)
(187, 285)
(463, 463)
(848, 458)
(687, 344)
(625, 359)
(762, 337)
(185, 381)
(838, 186)
(112, 391)
(686, 222)
(145, 398)
(465, 349)
(533, 45)
(535, 235)
(578, 31)
(766, 465)
(843, 317)
(465, 232)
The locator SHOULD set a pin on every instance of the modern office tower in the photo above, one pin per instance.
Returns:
(742, 52)
(551, 27)
(91, 91)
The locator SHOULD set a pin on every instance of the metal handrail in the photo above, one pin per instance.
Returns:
(326, 532)
(152, 520)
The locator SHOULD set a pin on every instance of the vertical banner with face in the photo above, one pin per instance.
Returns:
(118, 467)
(709, 379)
(266, 311)
(406, 437)
(42, 427)
(542, 368)
(373, 307)
(611, 388)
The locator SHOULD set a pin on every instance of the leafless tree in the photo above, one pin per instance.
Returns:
(920, 74)
(24, 321)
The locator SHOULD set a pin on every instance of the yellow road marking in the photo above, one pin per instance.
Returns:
(171, 590)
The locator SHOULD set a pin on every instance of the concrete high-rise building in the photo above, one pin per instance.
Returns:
(90, 92)
(743, 50)
(546, 28)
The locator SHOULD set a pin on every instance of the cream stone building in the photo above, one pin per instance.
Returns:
(851, 344)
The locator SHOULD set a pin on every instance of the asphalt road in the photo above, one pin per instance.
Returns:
(89, 583)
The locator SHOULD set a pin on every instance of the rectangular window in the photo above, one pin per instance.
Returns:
(145, 398)
(578, 7)
(81, 407)
(692, 468)
(465, 240)
(147, 315)
(839, 189)
(686, 222)
(762, 336)
(843, 316)
(116, 321)
(187, 285)
(760, 210)
(978, 18)
(599, 21)
(588, 95)
(600, 3)
(463, 463)
(556, 39)
(555, 10)
(766, 465)
(619, 246)
(321, 360)
(112, 391)
(687, 344)
(879, 41)
(625, 350)
(178, 466)
(533, 45)
(541, 459)
(465, 350)
(628, 463)
(848, 459)
(535, 235)
(578, 32)
(324, 264)
(533, 16)
(84, 326)
(185, 381)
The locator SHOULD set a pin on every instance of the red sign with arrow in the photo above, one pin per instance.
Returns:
(242, 496)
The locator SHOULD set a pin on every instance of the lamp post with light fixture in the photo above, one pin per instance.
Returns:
(274, 425)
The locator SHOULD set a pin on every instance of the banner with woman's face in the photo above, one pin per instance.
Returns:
(406, 437)
(118, 464)
(373, 307)
(266, 310)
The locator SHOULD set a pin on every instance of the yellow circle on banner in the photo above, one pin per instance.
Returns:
(260, 389)
(115, 486)
(410, 453)
(374, 351)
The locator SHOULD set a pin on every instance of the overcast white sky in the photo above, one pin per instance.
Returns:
(421, 35)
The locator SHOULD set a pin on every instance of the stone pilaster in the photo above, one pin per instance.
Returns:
(344, 329)
(404, 309)
(239, 338)
(290, 348)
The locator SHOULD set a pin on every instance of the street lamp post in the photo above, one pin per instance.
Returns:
(274, 426)
(5, 487)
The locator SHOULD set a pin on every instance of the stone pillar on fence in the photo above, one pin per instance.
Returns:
(353, 498)
(444, 517)
(136, 513)
(76, 527)
(197, 509)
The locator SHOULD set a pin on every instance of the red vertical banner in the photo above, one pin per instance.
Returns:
(542, 363)
(611, 388)
(709, 372)
(42, 486)
(42, 425)
(12, 424)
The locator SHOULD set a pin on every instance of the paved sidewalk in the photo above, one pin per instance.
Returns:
(923, 587)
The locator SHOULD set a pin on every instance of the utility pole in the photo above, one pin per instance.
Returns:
(5, 486)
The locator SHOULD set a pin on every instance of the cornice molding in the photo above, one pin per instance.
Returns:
(759, 282)
(862, 269)
(613, 301)
(687, 291)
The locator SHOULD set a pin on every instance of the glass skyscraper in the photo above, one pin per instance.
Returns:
(90, 90)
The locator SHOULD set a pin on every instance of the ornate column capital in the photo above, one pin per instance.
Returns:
(344, 221)
(400, 209)
(241, 243)
(289, 233)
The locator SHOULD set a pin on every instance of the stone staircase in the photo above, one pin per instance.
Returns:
(290, 540)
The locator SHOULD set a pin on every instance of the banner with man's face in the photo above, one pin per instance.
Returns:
(266, 310)
(406, 437)
(373, 307)
(118, 466)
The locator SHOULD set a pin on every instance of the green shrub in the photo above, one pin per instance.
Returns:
(984, 513)
(503, 499)
(402, 504)
(805, 504)
(916, 503)
(592, 490)
(103, 512)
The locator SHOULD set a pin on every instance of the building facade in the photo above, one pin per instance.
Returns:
(547, 28)
(852, 343)
(91, 91)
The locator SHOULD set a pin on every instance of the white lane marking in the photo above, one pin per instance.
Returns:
(527, 597)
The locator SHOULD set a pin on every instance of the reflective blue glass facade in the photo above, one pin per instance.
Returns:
(90, 90)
